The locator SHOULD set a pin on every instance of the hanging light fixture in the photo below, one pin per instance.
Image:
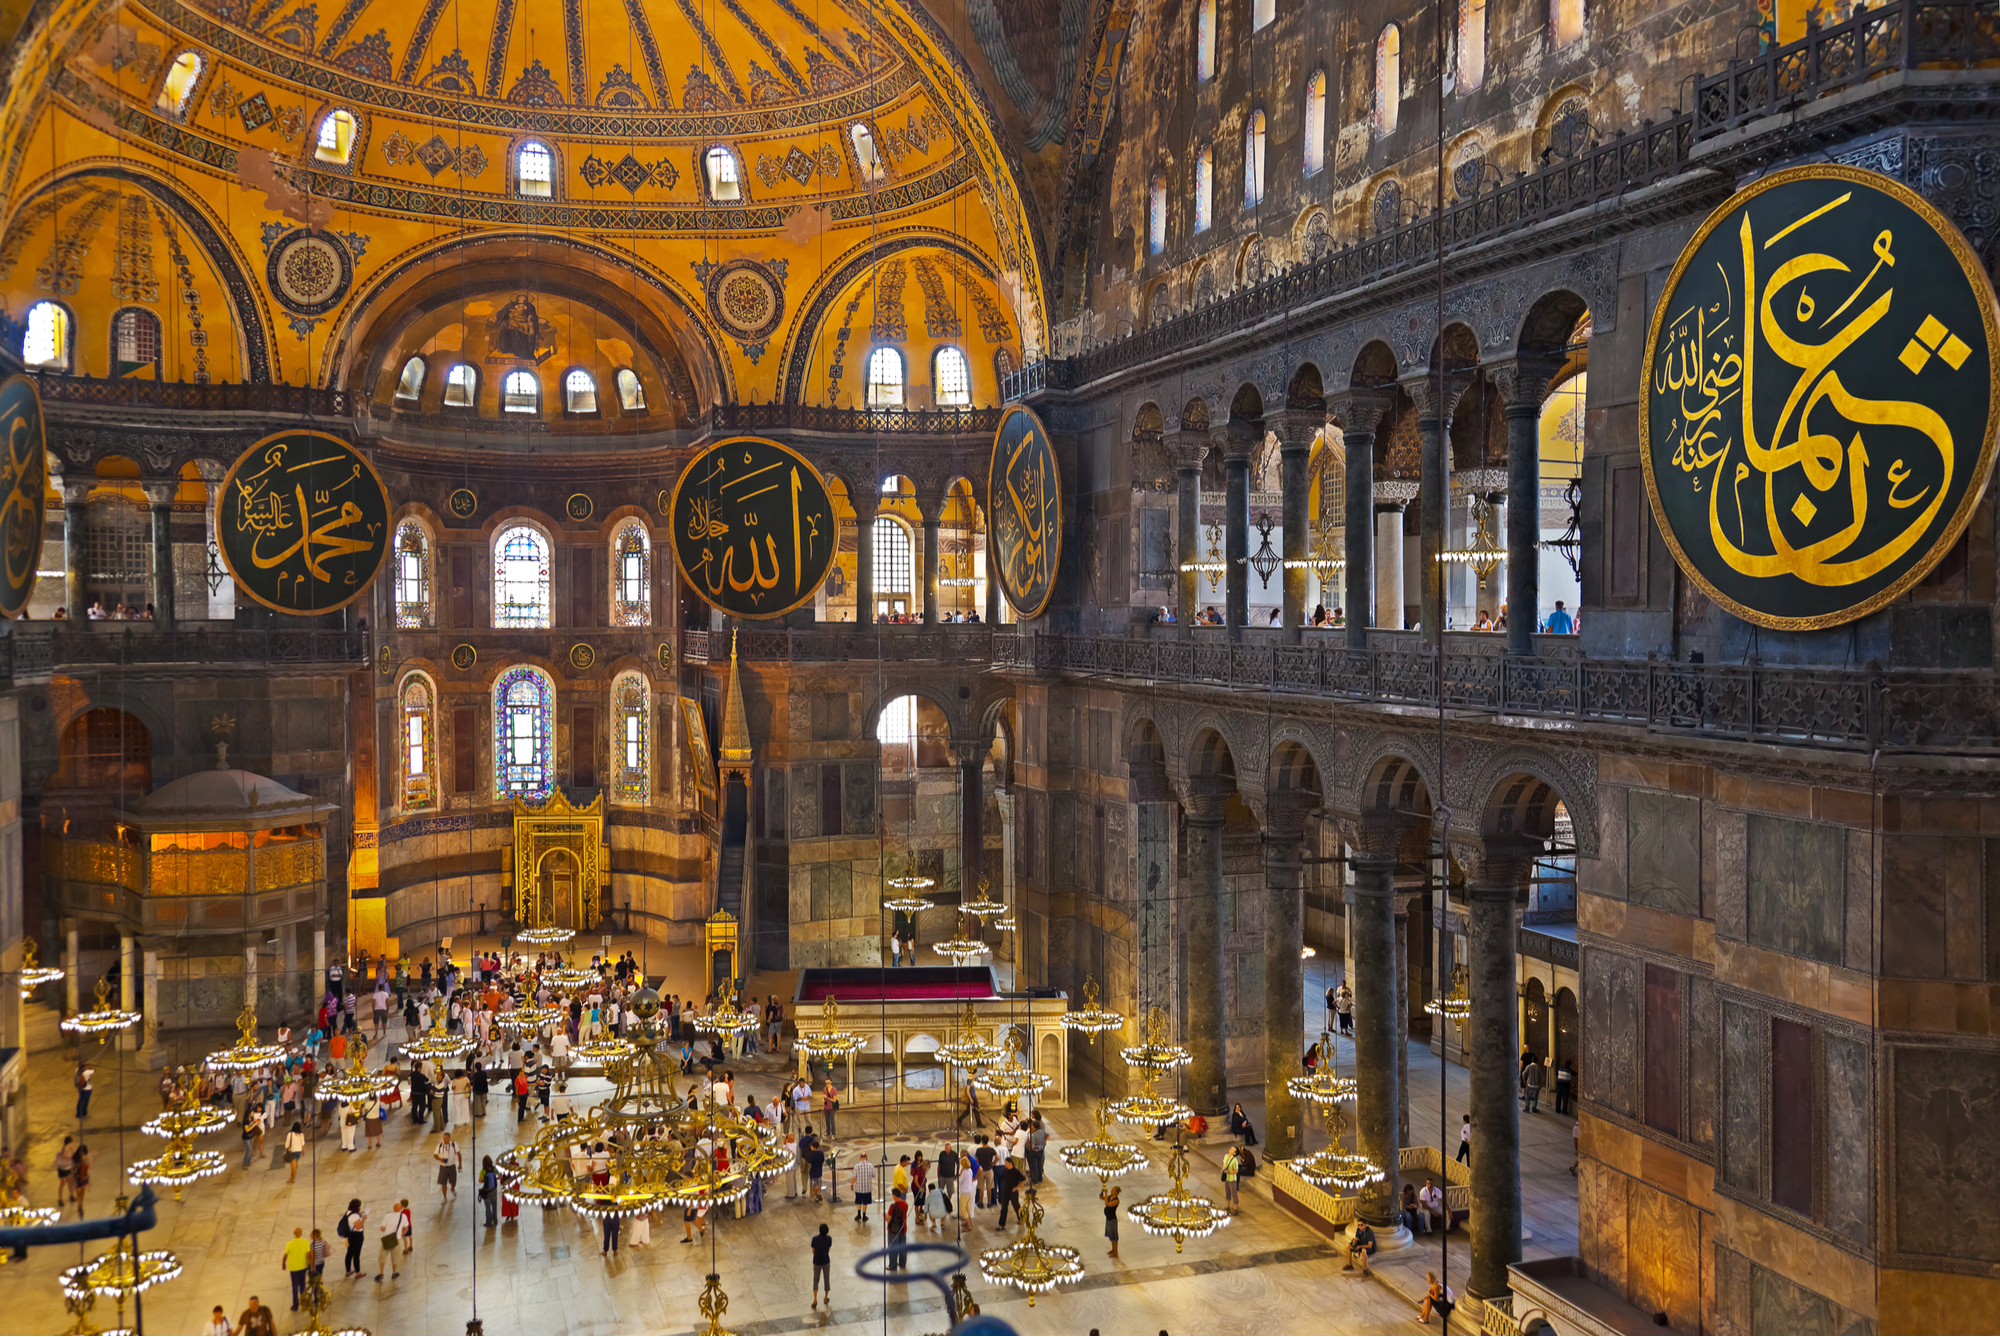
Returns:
(966, 1050)
(961, 950)
(714, 1303)
(102, 1021)
(546, 936)
(1156, 1055)
(181, 1164)
(1214, 566)
(1264, 561)
(1103, 1155)
(521, 1020)
(246, 1055)
(34, 975)
(605, 1049)
(1178, 1214)
(568, 977)
(1335, 1167)
(1010, 1081)
(982, 905)
(315, 1299)
(1324, 1086)
(829, 1041)
(1092, 1020)
(15, 1210)
(357, 1083)
(438, 1044)
(1031, 1263)
(120, 1274)
(1485, 555)
(1455, 1006)
(727, 1021)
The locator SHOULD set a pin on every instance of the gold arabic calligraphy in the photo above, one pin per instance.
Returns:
(1710, 364)
(291, 517)
(1033, 503)
(724, 511)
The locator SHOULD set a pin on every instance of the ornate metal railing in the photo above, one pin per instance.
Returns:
(1908, 34)
(102, 392)
(856, 422)
(893, 643)
(52, 647)
(1933, 710)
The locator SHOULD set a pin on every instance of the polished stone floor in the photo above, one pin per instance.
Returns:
(1266, 1273)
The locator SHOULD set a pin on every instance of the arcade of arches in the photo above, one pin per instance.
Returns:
(1367, 677)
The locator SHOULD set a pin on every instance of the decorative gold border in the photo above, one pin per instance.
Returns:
(812, 586)
(470, 649)
(994, 570)
(35, 508)
(223, 491)
(582, 656)
(1975, 274)
(452, 511)
(695, 736)
(589, 507)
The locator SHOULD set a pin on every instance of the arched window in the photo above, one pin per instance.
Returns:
(631, 394)
(1156, 215)
(1003, 365)
(885, 379)
(413, 575)
(178, 86)
(951, 374)
(520, 393)
(1253, 159)
(579, 392)
(873, 171)
(1316, 123)
(1471, 44)
(1565, 21)
(419, 743)
(336, 137)
(534, 171)
(135, 342)
(46, 346)
(1388, 79)
(520, 577)
(893, 566)
(631, 582)
(633, 762)
(410, 385)
(1204, 188)
(723, 181)
(524, 726)
(461, 386)
(1262, 13)
(1204, 41)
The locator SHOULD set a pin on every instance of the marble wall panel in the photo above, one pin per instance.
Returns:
(1849, 1137)
(1606, 874)
(832, 891)
(1610, 1029)
(1779, 1304)
(1728, 841)
(1946, 1154)
(1913, 922)
(1964, 945)
(1663, 1255)
(857, 799)
(1602, 1221)
(1729, 1311)
(1663, 851)
(1862, 887)
(1796, 875)
(1704, 1026)
(802, 789)
(1744, 1060)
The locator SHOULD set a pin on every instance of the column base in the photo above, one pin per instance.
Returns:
(151, 1057)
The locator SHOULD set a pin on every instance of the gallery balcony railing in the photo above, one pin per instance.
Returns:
(1908, 34)
(34, 649)
(725, 418)
(1862, 709)
(891, 642)
(111, 393)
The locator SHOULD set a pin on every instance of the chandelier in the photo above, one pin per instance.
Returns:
(727, 1021)
(522, 1020)
(246, 1055)
(1264, 561)
(1214, 566)
(33, 976)
(316, 1299)
(14, 1207)
(1011, 1081)
(1156, 1055)
(829, 1041)
(983, 904)
(1455, 1006)
(1149, 1108)
(102, 1021)
(1031, 1263)
(1178, 1214)
(1333, 1167)
(1091, 1019)
(1485, 555)
(181, 1165)
(605, 1049)
(1325, 1086)
(966, 1049)
(438, 1044)
(546, 936)
(1103, 1155)
(356, 1083)
(120, 1274)
(1323, 565)
(959, 951)
(906, 884)
(568, 977)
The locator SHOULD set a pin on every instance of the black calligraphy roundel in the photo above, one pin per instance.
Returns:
(753, 527)
(1024, 512)
(24, 481)
(302, 521)
(1822, 391)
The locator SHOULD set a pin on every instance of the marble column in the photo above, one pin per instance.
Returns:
(971, 757)
(1153, 929)
(1494, 878)
(1187, 448)
(1201, 904)
(1236, 537)
(75, 529)
(215, 605)
(1522, 384)
(152, 1054)
(250, 972)
(930, 574)
(864, 566)
(73, 971)
(985, 562)
(160, 499)
(1284, 972)
(1389, 565)
(1405, 902)
(319, 965)
(1004, 800)
(1371, 924)
(127, 987)
(1295, 429)
(1433, 420)
(1361, 611)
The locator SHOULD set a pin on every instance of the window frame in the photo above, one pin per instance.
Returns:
(623, 611)
(64, 364)
(1388, 110)
(118, 317)
(422, 363)
(1204, 188)
(517, 181)
(1466, 25)
(937, 377)
(618, 388)
(1255, 134)
(542, 739)
(426, 600)
(709, 183)
(343, 162)
(1206, 22)
(863, 173)
(496, 556)
(179, 109)
(417, 789)
(471, 404)
(885, 551)
(596, 409)
(869, 383)
(1156, 214)
(632, 782)
(1314, 155)
(506, 389)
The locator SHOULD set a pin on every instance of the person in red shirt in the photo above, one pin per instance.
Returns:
(899, 1233)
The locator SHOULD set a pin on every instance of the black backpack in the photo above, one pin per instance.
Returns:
(1246, 1164)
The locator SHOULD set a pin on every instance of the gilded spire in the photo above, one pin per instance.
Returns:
(735, 723)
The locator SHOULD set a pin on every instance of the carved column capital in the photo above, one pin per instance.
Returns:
(1295, 428)
(1377, 840)
(1186, 448)
(1285, 816)
(1360, 410)
(1205, 800)
(160, 492)
(1424, 392)
(75, 493)
(1495, 869)
(1522, 382)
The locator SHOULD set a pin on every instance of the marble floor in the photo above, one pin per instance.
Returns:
(1266, 1273)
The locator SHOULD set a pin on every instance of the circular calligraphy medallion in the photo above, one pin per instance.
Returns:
(385, 662)
(578, 507)
(302, 522)
(1024, 503)
(753, 527)
(24, 481)
(665, 655)
(463, 657)
(666, 501)
(747, 297)
(309, 272)
(462, 503)
(1821, 397)
(581, 656)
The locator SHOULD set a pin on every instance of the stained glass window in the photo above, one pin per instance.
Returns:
(634, 748)
(1204, 40)
(520, 393)
(1315, 122)
(1156, 215)
(524, 719)
(1471, 44)
(1204, 188)
(631, 586)
(520, 577)
(1253, 159)
(336, 137)
(413, 575)
(419, 743)
(1388, 79)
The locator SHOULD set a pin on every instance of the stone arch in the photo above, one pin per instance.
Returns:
(1521, 806)
(937, 694)
(1148, 423)
(1209, 756)
(1562, 126)
(1294, 770)
(106, 748)
(1374, 366)
(1306, 389)
(1247, 404)
(1156, 307)
(1545, 330)
(1313, 235)
(1516, 794)
(1194, 415)
(1396, 784)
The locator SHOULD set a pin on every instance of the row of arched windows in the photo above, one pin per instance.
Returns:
(521, 561)
(951, 378)
(520, 390)
(48, 340)
(524, 717)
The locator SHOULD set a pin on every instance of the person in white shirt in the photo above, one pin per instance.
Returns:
(1430, 1205)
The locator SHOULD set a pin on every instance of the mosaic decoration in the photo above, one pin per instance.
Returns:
(132, 277)
(496, 53)
(649, 50)
(634, 742)
(291, 121)
(462, 503)
(309, 272)
(63, 269)
(629, 172)
(1808, 468)
(753, 527)
(349, 13)
(1024, 507)
(837, 364)
(434, 156)
(940, 318)
(691, 10)
(524, 717)
(890, 325)
(581, 656)
(385, 661)
(452, 74)
(222, 98)
(579, 75)
(303, 326)
(190, 297)
(368, 58)
(620, 89)
(746, 297)
(994, 325)
(396, 148)
(702, 93)
(463, 657)
(420, 40)
(535, 88)
(255, 111)
(302, 522)
(24, 481)
(799, 165)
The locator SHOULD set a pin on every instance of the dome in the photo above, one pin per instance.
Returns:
(224, 799)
